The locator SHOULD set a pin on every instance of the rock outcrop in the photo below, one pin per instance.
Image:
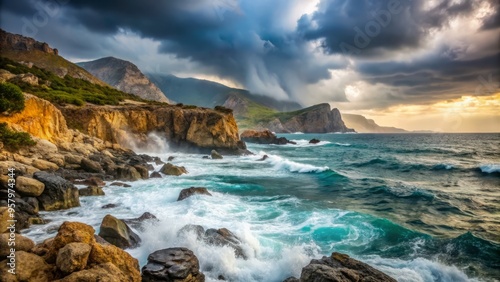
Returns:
(124, 76)
(186, 193)
(263, 137)
(316, 119)
(117, 232)
(184, 128)
(172, 265)
(340, 267)
(58, 193)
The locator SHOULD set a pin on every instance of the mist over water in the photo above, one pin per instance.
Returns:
(420, 207)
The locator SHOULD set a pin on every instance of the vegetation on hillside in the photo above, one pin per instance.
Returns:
(12, 140)
(67, 90)
(11, 98)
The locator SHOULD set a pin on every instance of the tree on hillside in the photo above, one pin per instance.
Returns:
(11, 98)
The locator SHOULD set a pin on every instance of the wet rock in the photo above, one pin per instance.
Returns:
(340, 267)
(29, 186)
(58, 193)
(138, 222)
(117, 232)
(185, 193)
(171, 158)
(155, 174)
(127, 173)
(91, 181)
(265, 157)
(120, 184)
(32, 201)
(158, 161)
(170, 169)
(291, 279)
(314, 141)
(143, 171)
(109, 206)
(73, 257)
(224, 237)
(205, 157)
(215, 155)
(198, 230)
(22, 243)
(173, 265)
(263, 137)
(91, 191)
(91, 166)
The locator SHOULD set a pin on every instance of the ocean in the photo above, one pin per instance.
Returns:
(420, 207)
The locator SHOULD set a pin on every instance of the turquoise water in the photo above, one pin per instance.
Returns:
(421, 207)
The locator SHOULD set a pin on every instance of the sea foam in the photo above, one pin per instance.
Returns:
(490, 168)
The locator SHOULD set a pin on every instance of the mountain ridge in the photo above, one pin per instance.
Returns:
(364, 125)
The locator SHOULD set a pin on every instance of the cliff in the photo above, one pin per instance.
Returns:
(316, 119)
(184, 128)
(364, 125)
(29, 51)
(124, 76)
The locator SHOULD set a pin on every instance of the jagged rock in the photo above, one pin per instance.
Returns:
(190, 228)
(33, 202)
(170, 169)
(143, 171)
(155, 174)
(73, 257)
(205, 157)
(340, 267)
(127, 173)
(172, 265)
(126, 268)
(117, 232)
(69, 232)
(42, 248)
(185, 193)
(215, 155)
(120, 184)
(265, 157)
(171, 158)
(109, 206)
(73, 159)
(22, 243)
(91, 191)
(263, 137)
(44, 165)
(29, 267)
(291, 279)
(91, 181)
(224, 237)
(314, 141)
(137, 223)
(29, 186)
(91, 166)
(58, 193)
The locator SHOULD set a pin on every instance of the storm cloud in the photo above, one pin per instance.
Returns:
(417, 49)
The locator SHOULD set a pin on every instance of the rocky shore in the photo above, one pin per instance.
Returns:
(47, 176)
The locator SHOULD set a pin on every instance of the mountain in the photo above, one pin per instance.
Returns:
(364, 125)
(209, 94)
(124, 76)
(31, 52)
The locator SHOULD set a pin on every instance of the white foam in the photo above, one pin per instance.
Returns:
(280, 163)
(305, 143)
(490, 168)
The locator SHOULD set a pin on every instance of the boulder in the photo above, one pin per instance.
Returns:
(103, 272)
(29, 267)
(91, 191)
(127, 173)
(33, 202)
(138, 222)
(143, 171)
(263, 137)
(126, 267)
(58, 193)
(314, 141)
(265, 157)
(155, 174)
(185, 193)
(172, 265)
(198, 230)
(22, 243)
(73, 159)
(91, 166)
(4, 216)
(73, 257)
(69, 232)
(170, 169)
(44, 165)
(29, 186)
(109, 206)
(215, 155)
(224, 237)
(91, 181)
(340, 267)
(117, 232)
(171, 158)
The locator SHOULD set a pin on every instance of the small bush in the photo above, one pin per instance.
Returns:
(13, 141)
(223, 109)
(11, 98)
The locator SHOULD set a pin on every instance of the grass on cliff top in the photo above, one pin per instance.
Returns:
(67, 90)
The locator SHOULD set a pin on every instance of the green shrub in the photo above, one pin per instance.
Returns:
(223, 109)
(11, 98)
(13, 140)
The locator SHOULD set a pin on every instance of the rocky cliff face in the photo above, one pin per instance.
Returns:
(184, 128)
(126, 77)
(29, 51)
(364, 125)
(316, 119)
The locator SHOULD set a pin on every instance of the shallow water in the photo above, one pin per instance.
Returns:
(420, 207)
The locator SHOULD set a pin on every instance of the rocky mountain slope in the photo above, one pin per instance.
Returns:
(29, 51)
(209, 94)
(364, 125)
(124, 76)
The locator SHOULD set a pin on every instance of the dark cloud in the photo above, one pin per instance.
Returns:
(257, 44)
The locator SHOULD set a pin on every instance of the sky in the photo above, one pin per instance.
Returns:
(431, 64)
